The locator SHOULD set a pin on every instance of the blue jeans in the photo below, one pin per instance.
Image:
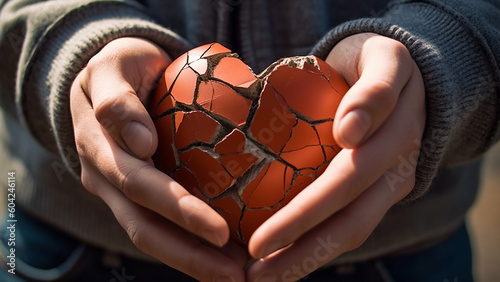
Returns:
(45, 254)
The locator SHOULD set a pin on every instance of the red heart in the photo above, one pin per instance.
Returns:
(245, 144)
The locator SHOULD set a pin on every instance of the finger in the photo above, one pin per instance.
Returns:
(344, 231)
(164, 240)
(118, 83)
(125, 119)
(140, 181)
(384, 67)
(346, 177)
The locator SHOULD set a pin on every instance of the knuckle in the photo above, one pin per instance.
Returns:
(415, 129)
(194, 266)
(127, 181)
(408, 186)
(136, 236)
(398, 48)
(88, 181)
(358, 240)
(197, 267)
(383, 92)
(108, 106)
(98, 61)
(81, 145)
(76, 86)
(183, 216)
(402, 188)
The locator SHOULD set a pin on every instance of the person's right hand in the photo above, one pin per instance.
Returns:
(115, 138)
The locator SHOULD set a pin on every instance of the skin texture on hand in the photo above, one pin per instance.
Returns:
(115, 139)
(380, 122)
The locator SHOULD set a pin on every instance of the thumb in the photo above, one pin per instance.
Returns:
(113, 79)
(381, 69)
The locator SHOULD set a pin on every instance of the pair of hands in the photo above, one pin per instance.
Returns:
(379, 123)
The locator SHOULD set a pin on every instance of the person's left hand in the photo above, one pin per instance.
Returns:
(379, 124)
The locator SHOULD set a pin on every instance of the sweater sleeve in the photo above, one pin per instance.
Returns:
(44, 44)
(456, 45)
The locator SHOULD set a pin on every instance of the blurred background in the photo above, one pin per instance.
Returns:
(484, 223)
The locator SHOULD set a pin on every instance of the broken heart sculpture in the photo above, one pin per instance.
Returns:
(243, 143)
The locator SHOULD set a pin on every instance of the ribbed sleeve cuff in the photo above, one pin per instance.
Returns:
(61, 54)
(461, 99)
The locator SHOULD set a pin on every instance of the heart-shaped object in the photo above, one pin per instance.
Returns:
(243, 143)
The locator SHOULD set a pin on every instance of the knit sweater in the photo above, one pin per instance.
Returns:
(44, 44)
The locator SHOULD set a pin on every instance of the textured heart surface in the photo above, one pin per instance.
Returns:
(245, 143)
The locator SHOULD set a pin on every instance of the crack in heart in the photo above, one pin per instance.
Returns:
(243, 143)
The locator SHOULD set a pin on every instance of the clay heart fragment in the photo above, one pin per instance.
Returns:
(243, 143)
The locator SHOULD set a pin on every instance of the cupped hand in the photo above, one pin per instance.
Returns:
(115, 139)
(380, 123)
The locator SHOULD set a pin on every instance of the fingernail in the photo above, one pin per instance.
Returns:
(266, 277)
(212, 238)
(224, 279)
(138, 138)
(270, 248)
(353, 127)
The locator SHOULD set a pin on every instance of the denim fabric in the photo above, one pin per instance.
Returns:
(449, 261)
(52, 254)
